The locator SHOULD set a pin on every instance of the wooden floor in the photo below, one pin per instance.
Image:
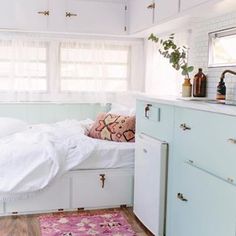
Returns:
(28, 225)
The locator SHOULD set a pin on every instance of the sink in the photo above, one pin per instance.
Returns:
(211, 101)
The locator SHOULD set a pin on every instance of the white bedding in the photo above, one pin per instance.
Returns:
(109, 154)
(33, 159)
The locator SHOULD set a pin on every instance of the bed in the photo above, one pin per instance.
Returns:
(103, 180)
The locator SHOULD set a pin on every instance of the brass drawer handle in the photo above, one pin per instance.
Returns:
(231, 140)
(69, 14)
(181, 197)
(230, 180)
(151, 6)
(147, 109)
(102, 178)
(185, 127)
(45, 13)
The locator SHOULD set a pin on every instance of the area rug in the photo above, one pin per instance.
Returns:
(83, 224)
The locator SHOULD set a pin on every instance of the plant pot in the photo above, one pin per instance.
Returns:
(187, 88)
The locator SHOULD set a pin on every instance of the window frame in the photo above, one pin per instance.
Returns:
(219, 33)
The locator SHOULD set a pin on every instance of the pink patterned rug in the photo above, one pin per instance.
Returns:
(82, 224)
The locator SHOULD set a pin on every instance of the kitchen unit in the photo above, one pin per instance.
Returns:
(201, 178)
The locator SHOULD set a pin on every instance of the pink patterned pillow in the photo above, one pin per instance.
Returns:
(114, 128)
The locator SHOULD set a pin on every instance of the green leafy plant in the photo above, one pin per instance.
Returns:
(176, 55)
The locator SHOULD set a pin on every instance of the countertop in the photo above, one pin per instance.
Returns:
(191, 103)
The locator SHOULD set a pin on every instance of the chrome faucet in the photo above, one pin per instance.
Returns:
(221, 88)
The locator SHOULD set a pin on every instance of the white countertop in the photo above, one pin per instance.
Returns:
(197, 104)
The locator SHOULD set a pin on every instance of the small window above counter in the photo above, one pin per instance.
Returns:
(222, 47)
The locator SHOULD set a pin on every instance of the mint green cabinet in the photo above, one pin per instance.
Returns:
(155, 120)
(206, 141)
(204, 206)
(201, 195)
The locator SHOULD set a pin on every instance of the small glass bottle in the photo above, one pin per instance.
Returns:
(221, 90)
(199, 84)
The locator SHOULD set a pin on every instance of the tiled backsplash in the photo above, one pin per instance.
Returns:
(199, 52)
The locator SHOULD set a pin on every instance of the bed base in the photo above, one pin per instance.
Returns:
(78, 190)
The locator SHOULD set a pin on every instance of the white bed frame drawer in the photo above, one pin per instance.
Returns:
(1, 207)
(54, 198)
(88, 191)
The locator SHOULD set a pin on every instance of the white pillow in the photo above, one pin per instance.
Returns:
(119, 109)
(10, 126)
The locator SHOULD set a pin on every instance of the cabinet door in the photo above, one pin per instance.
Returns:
(150, 183)
(186, 4)
(54, 197)
(141, 16)
(203, 205)
(95, 17)
(57, 19)
(7, 14)
(163, 10)
(32, 14)
(89, 190)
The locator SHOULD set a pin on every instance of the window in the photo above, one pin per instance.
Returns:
(50, 68)
(222, 48)
(93, 67)
(23, 66)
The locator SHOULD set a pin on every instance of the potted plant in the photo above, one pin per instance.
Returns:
(178, 58)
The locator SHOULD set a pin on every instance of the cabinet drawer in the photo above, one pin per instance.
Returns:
(53, 198)
(206, 207)
(1, 208)
(207, 138)
(155, 120)
(89, 191)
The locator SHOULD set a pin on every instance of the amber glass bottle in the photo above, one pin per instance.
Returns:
(199, 84)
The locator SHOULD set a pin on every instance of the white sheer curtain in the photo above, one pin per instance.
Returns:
(160, 78)
(23, 69)
(100, 70)
(55, 68)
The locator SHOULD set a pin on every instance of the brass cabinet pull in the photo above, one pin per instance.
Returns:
(181, 197)
(102, 178)
(151, 6)
(147, 109)
(184, 127)
(231, 140)
(69, 14)
(45, 13)
(230, 180)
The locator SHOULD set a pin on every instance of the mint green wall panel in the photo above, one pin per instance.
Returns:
(47, 112)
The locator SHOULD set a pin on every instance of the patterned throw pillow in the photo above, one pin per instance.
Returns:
(114, 128)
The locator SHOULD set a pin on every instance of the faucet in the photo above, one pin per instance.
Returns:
(225, 72)
(221, 88)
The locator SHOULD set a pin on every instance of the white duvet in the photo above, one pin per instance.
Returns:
(31, 160)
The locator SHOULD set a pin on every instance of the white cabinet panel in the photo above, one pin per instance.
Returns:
(53, 198)
(186, 4)
(95, 17)
(150, 182)
(57, 19)
(140, 16)
(7, 14)
(117, 189)
(28, 15)
(163, 10)
(1, 208)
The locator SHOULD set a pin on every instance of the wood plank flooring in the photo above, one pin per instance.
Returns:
(28, 225)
